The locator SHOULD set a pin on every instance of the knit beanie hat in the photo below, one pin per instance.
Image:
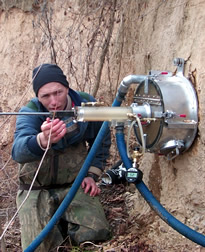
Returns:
(46, 73)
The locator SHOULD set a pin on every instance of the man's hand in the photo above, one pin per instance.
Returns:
(89, 184)
(56, 128)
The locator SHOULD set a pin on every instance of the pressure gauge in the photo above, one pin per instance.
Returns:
(133, 175)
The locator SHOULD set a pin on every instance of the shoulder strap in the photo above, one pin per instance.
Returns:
(32, 106)
(85, 96)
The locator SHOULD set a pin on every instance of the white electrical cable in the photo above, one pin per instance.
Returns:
(128, 138)
(37, 171)
(141, 135)
(30, 188)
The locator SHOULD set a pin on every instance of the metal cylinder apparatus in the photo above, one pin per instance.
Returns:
(173, 103)
(166, 105)
(118, 114)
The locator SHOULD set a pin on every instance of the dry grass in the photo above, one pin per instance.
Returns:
(9, 186)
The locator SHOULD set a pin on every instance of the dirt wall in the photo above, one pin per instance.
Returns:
(145, 35)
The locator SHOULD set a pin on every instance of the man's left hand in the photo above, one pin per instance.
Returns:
(89, 184)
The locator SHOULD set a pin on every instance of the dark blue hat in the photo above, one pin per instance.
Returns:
(46, 73)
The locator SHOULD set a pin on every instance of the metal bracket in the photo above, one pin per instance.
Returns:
(172, 148)
(179, 62)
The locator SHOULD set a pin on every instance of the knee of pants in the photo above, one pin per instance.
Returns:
(81, 234)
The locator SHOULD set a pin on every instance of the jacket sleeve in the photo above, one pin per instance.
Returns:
(25, 147)
(102, 153)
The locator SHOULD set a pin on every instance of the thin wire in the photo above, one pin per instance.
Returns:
(141, 136)
(128, 138)
(30, 188)
(36, 174)
(14, 110)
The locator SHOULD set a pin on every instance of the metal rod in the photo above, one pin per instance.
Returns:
(56, 114)
(26, 113)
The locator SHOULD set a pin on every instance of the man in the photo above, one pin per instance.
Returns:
(69, 143)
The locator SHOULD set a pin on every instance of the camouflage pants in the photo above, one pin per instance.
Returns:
(83, 220)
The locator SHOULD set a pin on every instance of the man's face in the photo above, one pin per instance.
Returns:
(53, 96)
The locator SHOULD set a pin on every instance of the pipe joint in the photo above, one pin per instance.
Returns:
(119, 128)
(128, 80)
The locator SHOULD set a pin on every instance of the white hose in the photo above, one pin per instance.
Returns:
(141, 135)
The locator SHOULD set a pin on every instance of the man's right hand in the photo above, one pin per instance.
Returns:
(56, 129)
